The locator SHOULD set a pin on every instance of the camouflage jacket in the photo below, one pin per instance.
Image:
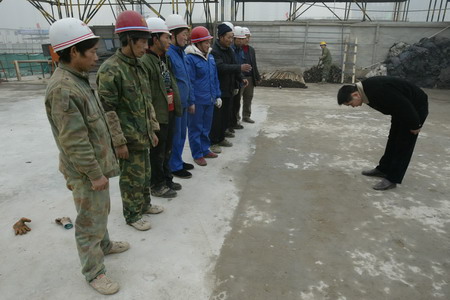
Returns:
(158, 88)
(79, 126)
(124, 91)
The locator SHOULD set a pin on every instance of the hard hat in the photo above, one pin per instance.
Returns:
(67, 32)
(247, 31)
(229, 25)
(157, 25)
(239, 32)
(200, 34)
(130, 20)
(323, 43)
(176, 21)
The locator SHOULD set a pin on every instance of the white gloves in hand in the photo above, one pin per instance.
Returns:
(219, 102)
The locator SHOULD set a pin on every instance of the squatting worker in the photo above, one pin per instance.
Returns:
(325, 60)
(83, 138)
(124, 91)
(408, 106)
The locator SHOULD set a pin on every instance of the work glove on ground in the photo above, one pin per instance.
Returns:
(219, 102)
(20, 227)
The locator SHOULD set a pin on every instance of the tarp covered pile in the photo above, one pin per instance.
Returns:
(426, 63)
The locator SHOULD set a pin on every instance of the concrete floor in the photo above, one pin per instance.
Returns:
(284, 214)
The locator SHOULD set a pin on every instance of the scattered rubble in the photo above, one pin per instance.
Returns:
(282, 79)
(314, 74)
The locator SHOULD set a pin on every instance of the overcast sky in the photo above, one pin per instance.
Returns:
(17, 14)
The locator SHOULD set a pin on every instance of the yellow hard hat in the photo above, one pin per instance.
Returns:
(323, 43)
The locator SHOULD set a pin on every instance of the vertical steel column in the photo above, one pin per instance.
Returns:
(305, 44)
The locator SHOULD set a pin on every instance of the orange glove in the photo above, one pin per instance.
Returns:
(20, 227)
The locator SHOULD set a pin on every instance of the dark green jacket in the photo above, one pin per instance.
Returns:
(124, 91)
(79, 126)
(158, 89)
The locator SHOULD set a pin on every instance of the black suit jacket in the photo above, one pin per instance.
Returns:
(397, 97)
(251, 59)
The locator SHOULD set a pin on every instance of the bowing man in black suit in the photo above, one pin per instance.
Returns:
(408, 106)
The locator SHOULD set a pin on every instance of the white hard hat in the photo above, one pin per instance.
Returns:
(247, 31)
(67, 32)
(239, 32)
(229, 25)
(176, 21)
(157, 25)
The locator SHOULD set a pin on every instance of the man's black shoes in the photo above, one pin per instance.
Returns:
(373, 173)
(384, 184)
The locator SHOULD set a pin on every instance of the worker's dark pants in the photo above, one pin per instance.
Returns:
(221, 117)
(235, 108)
(160, 155)
(398, 152)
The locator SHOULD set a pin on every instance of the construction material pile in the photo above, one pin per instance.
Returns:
(426, 63)
(282, 79)
(314, 74)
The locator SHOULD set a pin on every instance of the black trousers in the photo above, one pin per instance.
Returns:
(399, 150)
(221, 117)
(160, 155)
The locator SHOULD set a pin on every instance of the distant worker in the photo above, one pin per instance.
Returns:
(408, 106)
(86, 156)
(253, 78)
(180, 68)
(239, 41)
(230, 78)
(124, 90)
(207, 94)
(166, 101)
(325, 61)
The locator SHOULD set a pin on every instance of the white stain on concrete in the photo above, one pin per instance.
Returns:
(432, 218)
(291, 166)
(257, 217)
(368, 263)
(315, 292)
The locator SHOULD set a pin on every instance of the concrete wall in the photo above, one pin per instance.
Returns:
(295, 45)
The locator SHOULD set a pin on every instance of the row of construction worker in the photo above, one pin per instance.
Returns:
(135, 125)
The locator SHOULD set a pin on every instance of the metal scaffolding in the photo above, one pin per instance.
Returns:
(53, 10)
(436, 13)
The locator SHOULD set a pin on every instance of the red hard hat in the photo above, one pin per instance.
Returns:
(199, 34)
(130, 20)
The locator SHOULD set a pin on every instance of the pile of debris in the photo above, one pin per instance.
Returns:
(282, 79)
(314, 74)
(426, 63)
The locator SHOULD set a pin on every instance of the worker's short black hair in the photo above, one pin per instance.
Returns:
(345, 92)
(82, 47)
(153, 35)
(133, 35)
(177, 31)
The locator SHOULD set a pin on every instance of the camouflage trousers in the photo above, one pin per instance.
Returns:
(91, 233)
(135, 184)
(326, 71)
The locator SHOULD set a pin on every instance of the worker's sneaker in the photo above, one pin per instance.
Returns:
(373, 173)
(248, 120)
(384, 184)
(182, 174)
(153, 210)
(200, 161)
(211, 155)
(238, 126)
(164, 192)
(141, 225)
(215, 148)
(118, 247)
(187, 166)
(226, 143)
(174, 185)
(229, 134)
(104, 285)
